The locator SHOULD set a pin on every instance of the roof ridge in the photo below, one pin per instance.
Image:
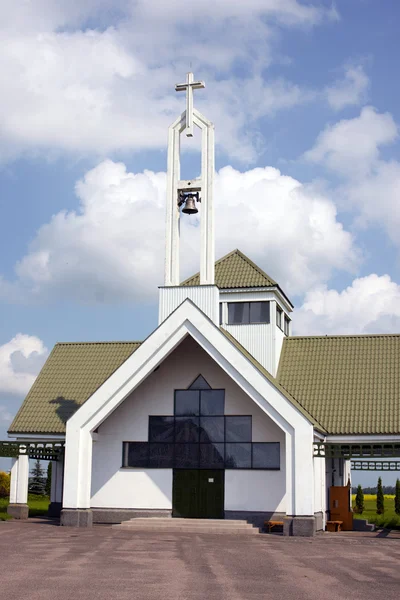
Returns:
(243, 257)
(93, 343)
(253, 264)
(293, 338)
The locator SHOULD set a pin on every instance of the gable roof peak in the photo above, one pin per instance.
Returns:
(235, 270)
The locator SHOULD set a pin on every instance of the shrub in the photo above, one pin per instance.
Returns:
(397, 498)
(359, 508)
(380, 501)
(4, 484)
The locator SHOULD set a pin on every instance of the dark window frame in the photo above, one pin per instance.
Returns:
(199, 467)
(247, 304)
(281, 317)
(199, 392)
(286, 325)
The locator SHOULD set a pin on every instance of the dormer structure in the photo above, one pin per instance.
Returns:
(252, 307)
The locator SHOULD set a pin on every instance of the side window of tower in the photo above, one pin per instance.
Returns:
(279, 317)
(244, 313)
(286, 325)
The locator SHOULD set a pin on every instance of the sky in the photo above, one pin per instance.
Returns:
(304, 96)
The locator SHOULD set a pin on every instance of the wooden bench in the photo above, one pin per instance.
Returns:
(272, 524)
(334, 525)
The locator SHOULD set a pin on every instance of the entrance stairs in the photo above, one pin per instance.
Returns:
(172, 525)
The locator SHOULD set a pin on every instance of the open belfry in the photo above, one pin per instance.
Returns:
(220, 413)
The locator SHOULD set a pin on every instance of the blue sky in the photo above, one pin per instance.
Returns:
(305, 101)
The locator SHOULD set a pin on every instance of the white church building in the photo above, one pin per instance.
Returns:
(220, 413)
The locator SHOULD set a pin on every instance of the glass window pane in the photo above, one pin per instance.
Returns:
(161, 456)
(212, 429)
(238, 313)
(238, 429)
(266, 455)
(238, 456)
(138, 454)
(259, 312)
(279, 317)
(212, 402)
(186, 429)
(187, 402)
(199, 384)
(286, 325)
(161, 429)
(211, 456)
(186, 456)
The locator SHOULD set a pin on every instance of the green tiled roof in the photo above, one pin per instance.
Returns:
(272, 379)
(350, 384)
(71, 374)
(235, 270)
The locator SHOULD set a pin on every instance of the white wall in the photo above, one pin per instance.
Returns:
(206, 297)
(113, 486)
(255, 490)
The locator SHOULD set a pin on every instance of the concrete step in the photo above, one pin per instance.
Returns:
(193, 525)
(217, 526)
(193, 522)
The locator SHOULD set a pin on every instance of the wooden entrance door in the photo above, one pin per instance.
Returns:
(198, 494)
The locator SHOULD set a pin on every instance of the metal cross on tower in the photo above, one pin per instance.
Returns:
(189, 86)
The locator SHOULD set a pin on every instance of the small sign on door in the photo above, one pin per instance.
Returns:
(211, 480)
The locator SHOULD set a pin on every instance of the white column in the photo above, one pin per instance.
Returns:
(172, 214)
(19, 480)
(57, 475)
(300, 520)
(303, 472)
(207, 251)
(77, 469)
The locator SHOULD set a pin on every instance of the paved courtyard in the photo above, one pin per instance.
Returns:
(42, 561)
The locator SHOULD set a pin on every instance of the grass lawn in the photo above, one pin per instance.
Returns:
(38, 506)
(388, 519)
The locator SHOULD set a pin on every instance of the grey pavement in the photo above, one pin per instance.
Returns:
(42, 561)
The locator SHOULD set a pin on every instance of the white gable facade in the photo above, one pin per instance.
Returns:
(97, 484)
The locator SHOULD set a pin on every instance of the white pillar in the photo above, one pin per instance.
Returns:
(77, 479)
(57, 474)
(300, 520)
(18, 507)
(207, 243)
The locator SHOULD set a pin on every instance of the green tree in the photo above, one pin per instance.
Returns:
(397, 498)
(380, 503)
(4, 484)
(359, 500)
(37, 481)
(48, 480)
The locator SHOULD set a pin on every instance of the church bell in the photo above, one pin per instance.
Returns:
(190, 205)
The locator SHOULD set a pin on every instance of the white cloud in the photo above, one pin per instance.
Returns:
(349, 90)
(97, 76)
(351, 146)
(371, 185)
(112, 248)
(20, 361)
(370, 304)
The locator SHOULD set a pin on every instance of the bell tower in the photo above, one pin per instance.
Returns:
(184, 196)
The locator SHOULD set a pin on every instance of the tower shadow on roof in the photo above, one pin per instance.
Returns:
(66, 408)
